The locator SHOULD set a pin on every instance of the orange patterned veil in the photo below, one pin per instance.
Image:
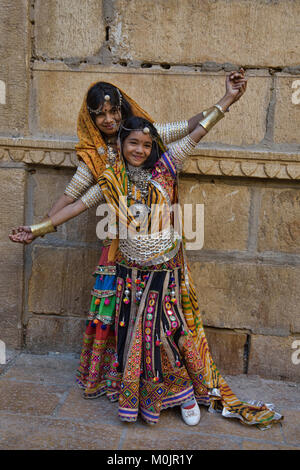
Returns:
(91, 147)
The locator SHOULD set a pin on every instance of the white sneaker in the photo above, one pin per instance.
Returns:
(191, 416)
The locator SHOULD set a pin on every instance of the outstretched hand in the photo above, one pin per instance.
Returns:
(21, 234)
(236, 84)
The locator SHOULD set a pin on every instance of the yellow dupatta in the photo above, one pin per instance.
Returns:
(114, 185)
(92, 148)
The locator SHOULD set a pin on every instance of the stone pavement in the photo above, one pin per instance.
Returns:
(41, 408)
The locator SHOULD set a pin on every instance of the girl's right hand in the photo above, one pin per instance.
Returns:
(236, 84)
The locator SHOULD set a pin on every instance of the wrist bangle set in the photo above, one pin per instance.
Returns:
(39, 230)
(211, 116)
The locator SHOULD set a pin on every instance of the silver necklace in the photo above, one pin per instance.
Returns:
(138, 179)
(111, 156)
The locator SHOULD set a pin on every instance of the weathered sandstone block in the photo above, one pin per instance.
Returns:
(261, 298)
(14, 78)
(11, 293)
(166, 96)
(61, 280)
(227, 350)
(185, 31)
(287, 110)
(226, 212)
(274, 357)
(12, 189)
(68, 29)
(45, 334)
(279, 227)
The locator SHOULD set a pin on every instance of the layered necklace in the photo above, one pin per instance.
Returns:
(138, 180)
(111, 155)
(111, 152)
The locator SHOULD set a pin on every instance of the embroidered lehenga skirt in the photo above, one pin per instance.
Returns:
(158, 364)
(97, 373)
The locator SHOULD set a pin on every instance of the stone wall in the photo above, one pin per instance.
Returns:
(172, 57)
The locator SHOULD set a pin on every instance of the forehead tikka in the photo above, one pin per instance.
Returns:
(145, 131)
(106, 100)
(94, 111)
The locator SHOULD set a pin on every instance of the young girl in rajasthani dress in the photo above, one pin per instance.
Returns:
(161, 355)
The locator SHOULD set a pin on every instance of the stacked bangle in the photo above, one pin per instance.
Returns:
(211, 117)
(39, 230)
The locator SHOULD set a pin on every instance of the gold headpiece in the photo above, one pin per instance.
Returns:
(95, 111)
(146, 130)
(107, 98)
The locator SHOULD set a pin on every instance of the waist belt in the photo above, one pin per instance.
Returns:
(151, 249)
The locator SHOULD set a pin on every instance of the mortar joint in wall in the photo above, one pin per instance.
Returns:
(273, 70)
(32, 31)
(109, 11)
(292, 70)
(270, 115)
(247, 347)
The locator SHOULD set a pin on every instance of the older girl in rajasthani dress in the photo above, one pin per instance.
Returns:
(97, 150)
(162, 358)
(103, 109)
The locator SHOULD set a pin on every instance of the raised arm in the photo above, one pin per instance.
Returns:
(172, 131)
(180, 150)
(90, 199)
(175, 131)
(81, 181)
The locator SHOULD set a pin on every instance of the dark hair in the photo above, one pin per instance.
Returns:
(95, 98)
(138, 123)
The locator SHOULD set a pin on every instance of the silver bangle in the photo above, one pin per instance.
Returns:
(219, 107)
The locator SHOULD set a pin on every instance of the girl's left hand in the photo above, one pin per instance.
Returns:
(236, 84)
(22, 234)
